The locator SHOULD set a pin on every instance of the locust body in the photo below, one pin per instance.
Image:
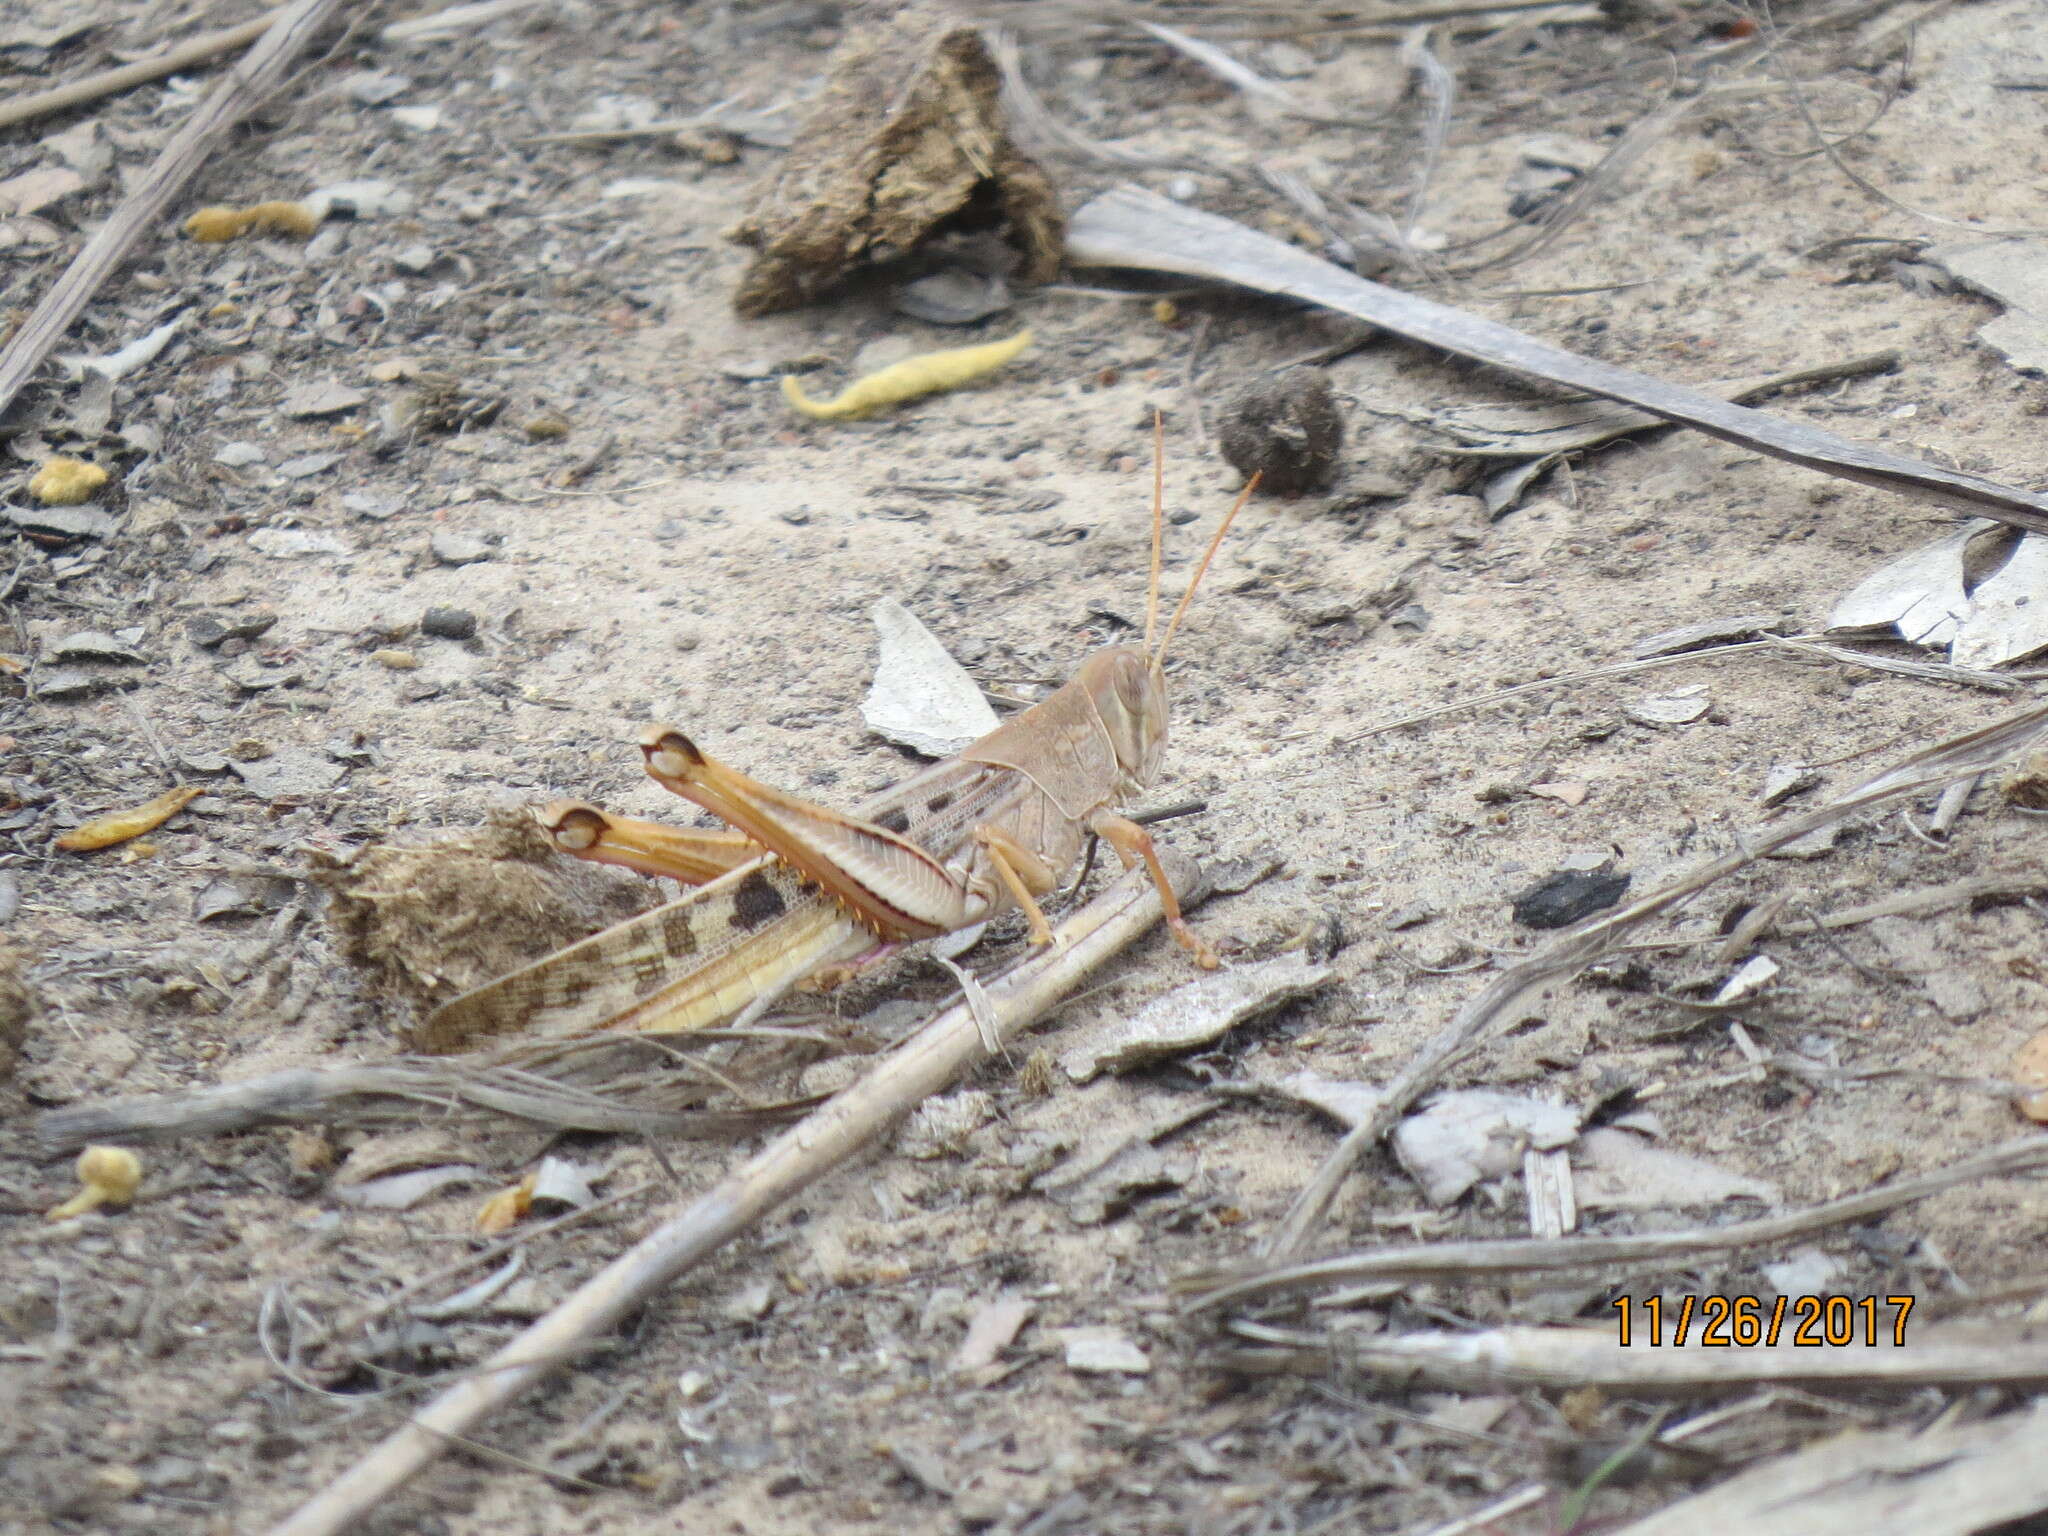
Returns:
(804, 887)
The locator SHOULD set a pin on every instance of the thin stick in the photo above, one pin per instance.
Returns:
(1519, 1357)
(805, 1153)
(107, 82)
(1488, 1261)
(239, 92)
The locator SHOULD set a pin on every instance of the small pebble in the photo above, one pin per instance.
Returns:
(670, 529)
(397, 661)
(452, 548)
(449, 623)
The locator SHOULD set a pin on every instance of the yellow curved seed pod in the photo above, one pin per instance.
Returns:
(212, 226)
(926, 374)
(119, 826)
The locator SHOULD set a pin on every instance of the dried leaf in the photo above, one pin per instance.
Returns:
(1480, 1133)
(921, 697)
(1618, 1170)
(1193, 1015)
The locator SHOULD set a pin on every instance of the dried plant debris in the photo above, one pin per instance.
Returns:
(906, 143)
(1286, 430)
(1194, 1015)
(435, 919)
(2015, 273)
(1460, 1138)
(921, 697)
(1490, 431)
(1980, 592)
(1619, 1170)
(2025, 783)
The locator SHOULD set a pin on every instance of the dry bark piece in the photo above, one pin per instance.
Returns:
(907, 141)
(1286, 430)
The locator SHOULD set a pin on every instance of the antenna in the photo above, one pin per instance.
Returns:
(1201, 570)
(1158, 522)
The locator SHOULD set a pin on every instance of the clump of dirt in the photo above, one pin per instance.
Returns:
(907, 142)
(17, 1008)
(2026, 782)
(1288, 431)
(432, 920)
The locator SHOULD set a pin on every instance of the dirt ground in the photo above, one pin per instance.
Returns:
(692, 552)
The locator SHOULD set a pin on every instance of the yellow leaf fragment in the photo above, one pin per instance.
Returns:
(213, 226)
(507, 1208)
(63, 482)
(925, 374)
(119, 826)
(111, 1175)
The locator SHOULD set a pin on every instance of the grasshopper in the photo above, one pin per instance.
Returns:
(795, 888)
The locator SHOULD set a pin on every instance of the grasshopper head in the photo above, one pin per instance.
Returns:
(1129, 690)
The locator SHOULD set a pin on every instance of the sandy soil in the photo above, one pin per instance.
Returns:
(713, 565)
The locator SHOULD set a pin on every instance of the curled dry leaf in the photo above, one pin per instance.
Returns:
(1618, 1170)
(1478, 1133)
(1193, 1015)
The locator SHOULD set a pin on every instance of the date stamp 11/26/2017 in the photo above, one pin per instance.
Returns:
(1746, 1322)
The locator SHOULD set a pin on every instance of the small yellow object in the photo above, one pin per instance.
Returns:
(925, 374)
(119, 826)
(1165, 311)
(111, 1175)
(507, 1208)
(214, 226)
(65, 482)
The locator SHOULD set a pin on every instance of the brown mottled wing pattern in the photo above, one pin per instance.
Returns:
(680, 966)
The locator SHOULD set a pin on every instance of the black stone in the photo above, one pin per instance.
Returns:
(1561, 899)
(449, 623)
